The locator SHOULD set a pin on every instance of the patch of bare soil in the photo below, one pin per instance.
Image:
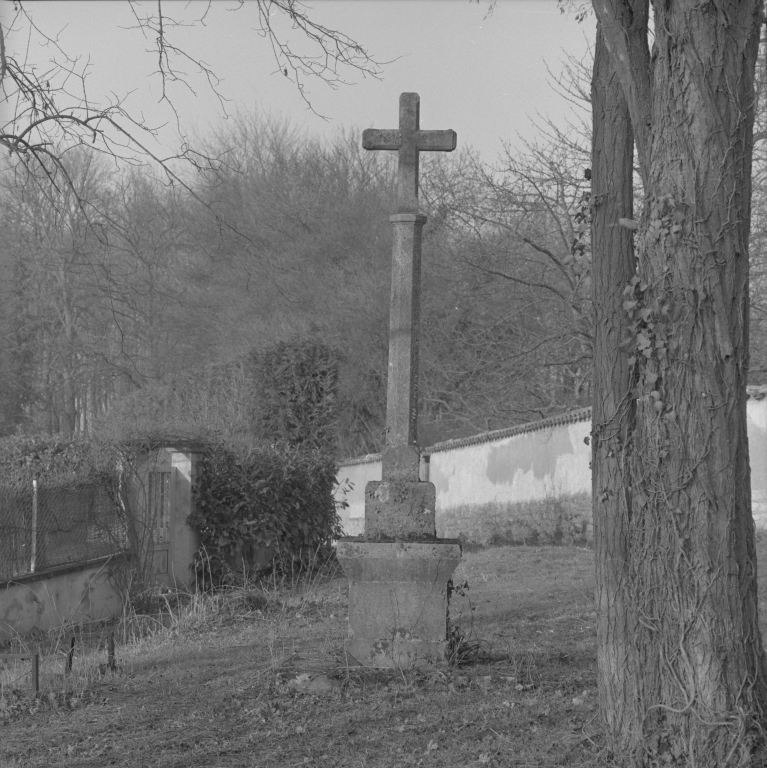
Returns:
(232, 686)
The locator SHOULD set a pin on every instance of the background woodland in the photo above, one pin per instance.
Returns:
(125, 295)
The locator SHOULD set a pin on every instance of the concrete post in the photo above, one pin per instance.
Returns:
(185, 539)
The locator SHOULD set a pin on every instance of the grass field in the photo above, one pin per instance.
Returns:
(256, 678)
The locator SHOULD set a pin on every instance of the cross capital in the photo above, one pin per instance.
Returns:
(408, 140)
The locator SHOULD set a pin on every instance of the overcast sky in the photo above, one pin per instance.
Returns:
(483, 77)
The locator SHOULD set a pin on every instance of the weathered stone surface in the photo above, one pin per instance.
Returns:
(408, 141)
(401, 462)
(401, 456)
(398, 592)
(402, 386)
(400, 509)
(398, 600)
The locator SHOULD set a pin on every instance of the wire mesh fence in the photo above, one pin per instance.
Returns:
(42, 527)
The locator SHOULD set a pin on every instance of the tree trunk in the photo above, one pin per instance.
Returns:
(613, 265)
(688, 676)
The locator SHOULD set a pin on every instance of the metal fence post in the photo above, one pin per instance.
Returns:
(34, 527)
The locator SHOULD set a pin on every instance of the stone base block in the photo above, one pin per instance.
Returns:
(398, 600)
(401, 462)
(400, 509)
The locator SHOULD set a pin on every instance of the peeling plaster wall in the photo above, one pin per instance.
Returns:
(76, 594)
(527, 484)
(352, 478)
(527, 487)
(756, 414)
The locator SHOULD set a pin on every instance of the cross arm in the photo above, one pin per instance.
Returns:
(436, 141)
(425, 141)
(374, 138)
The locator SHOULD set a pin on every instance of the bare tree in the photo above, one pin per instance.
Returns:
(507, 306)
(49, 110)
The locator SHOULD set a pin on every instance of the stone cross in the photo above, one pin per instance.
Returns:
(398, 572)
(401, 457)
(408, 140)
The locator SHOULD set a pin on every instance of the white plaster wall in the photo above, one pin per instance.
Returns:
(542, 464)
(528, 467)
(756, 414)
(352, 478)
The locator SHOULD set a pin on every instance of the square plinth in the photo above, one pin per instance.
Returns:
(400, 509)
(398, 600)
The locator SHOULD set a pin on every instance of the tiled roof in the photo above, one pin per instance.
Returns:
(566, 418)
(571, 417)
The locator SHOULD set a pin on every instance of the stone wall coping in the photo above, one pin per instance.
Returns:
(757, 392)
(369, 458)
(571, 417)
(58, 570)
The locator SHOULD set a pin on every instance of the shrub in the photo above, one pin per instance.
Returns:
(262, 504)
(56, 459)
(297, 401)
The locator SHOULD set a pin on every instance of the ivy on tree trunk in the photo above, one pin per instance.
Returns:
(682, 673)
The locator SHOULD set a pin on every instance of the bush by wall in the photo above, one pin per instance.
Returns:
(263, 504)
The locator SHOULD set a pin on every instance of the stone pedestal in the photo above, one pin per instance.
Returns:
(398, 600)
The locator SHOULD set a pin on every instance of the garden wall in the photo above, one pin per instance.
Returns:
(527, 484)
(77, 594)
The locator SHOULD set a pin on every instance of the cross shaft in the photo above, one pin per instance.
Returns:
(401, 455)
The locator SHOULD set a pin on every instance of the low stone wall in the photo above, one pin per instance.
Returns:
(563, 520)
(524, 484)
(527, 484)
(76, 593)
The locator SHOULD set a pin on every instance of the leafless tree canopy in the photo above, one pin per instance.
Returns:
(47, 110)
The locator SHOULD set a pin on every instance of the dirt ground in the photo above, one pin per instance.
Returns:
(259, 680)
